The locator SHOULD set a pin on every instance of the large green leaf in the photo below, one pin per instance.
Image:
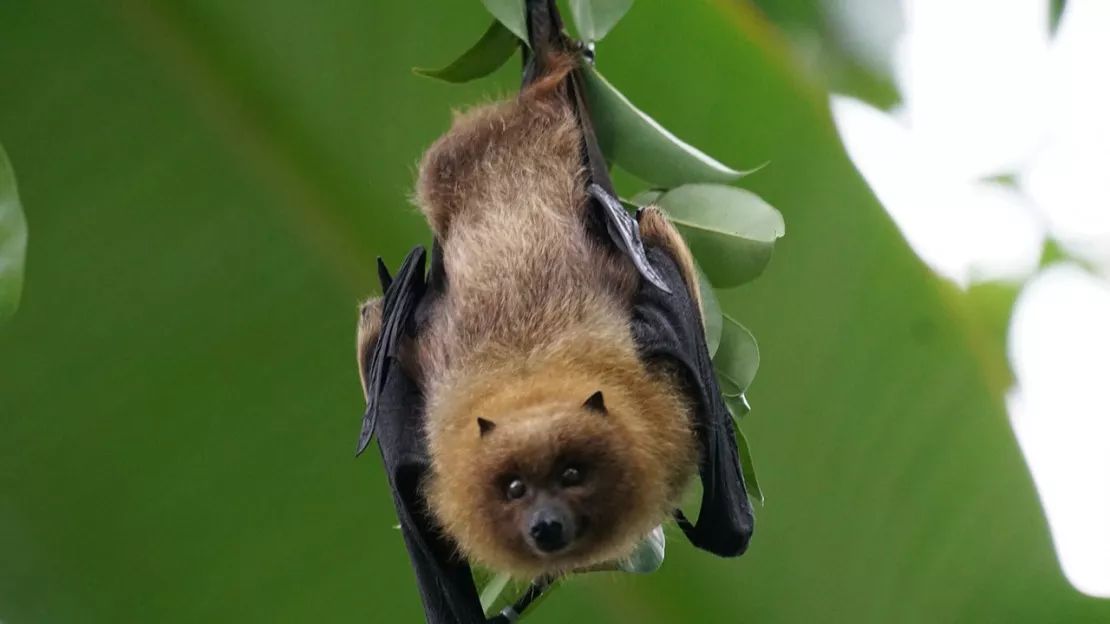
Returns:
(495, 47)
(642, 147)
(13, 240)
(731, 231)
(988, 307)
(178, 399)
(595, 18)
(511, 14)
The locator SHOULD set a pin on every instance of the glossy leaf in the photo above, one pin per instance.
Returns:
(1056, 10)
(639, 200)
(496, 46)
(646, 198)
(730, 230)
(710, 311)
(493, 589)
(737, 358)
(13, 240)
(642, 147)
(739, 404)
(511, 14)
(747, 464)
(649, 554)
(595, 18)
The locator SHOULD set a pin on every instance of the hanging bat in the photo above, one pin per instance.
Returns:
(543, 396)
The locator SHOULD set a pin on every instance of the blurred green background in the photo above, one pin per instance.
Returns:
(207, 184)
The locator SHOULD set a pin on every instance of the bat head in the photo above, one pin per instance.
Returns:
(556, 481)
(554, 486)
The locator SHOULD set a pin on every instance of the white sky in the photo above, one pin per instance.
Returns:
(988, 92)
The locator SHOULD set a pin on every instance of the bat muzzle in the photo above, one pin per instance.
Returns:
(551, 528)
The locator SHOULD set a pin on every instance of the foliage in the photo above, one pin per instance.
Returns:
(495, 47)
(211, 183)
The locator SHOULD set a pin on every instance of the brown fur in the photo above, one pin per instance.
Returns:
(656, 230)
(534, 320)
(369, 326)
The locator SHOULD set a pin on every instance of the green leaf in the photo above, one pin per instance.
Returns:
(647, 198)
(739, 405)
(747, 464)
(499, 590)
(730, 230)
(511, 14)
(737, 358)
(496, 46)
(641, 199)
(646, 558)
(595, 18)
(493, 590)
(13, 240)
(642, 147)
(649, 554)
(1056, 10)
(710, 312)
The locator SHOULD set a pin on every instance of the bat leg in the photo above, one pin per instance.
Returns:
(657, 230)
(369, 326)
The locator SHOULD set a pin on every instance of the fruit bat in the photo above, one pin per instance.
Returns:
(665, 324)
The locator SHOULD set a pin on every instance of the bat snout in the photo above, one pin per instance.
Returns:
(551, 528)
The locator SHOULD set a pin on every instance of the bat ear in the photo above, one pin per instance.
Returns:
(485, 426)
(596, 403)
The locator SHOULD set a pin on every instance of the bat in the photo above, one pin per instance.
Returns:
(542, 393)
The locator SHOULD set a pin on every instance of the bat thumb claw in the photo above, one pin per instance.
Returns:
(365, 436)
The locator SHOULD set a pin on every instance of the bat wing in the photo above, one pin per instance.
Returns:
(668, 326)
(399, 302)
(395, 415)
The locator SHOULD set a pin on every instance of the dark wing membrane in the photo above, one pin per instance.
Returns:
(395, 413)
(443, 579)
(401, 296)
(668, 326)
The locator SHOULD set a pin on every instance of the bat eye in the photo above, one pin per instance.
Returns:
(516, 489)
(571, 476)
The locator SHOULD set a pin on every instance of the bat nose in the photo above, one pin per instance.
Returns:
(550, 530)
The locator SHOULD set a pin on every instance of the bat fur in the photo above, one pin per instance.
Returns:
(534, 323)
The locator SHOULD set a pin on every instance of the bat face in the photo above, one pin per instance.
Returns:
(549, 490)
(559, 493)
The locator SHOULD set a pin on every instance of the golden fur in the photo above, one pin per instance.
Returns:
(534, 320)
